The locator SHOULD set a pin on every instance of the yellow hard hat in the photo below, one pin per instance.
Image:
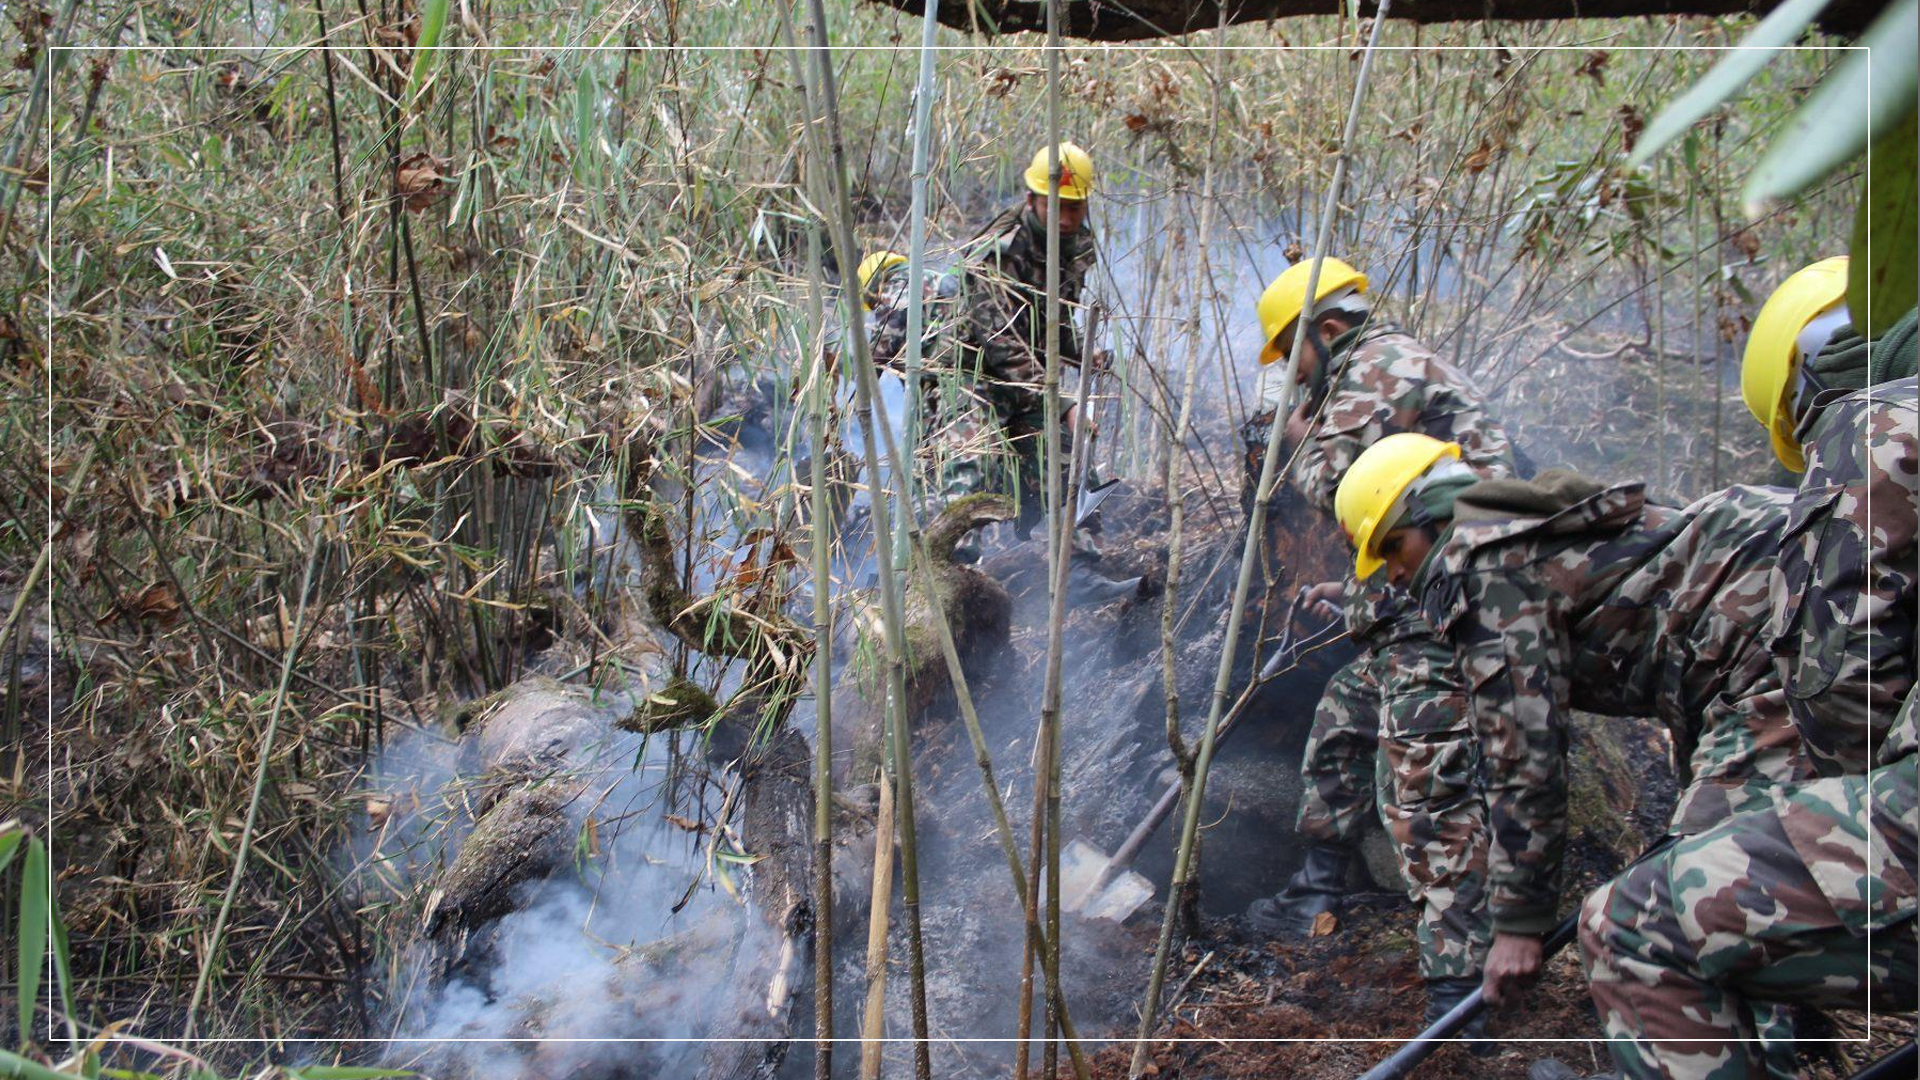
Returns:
(1076, 172)
(1769, 369)
(872, 267)
(1373, 485)
(1280, 305)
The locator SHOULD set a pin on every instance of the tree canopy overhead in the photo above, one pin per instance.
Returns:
(1141, 20)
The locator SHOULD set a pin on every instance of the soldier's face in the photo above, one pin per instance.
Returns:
(1404, 550)
(1073, 212)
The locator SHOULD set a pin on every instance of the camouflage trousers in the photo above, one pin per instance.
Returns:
(1392, 734)
(972, 453)
(1691, 955)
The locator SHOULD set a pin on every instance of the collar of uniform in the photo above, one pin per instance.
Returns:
(1036, 230)
(1429, 565)
(1339, 350)
(1037, 233)
(1493, 511)
(1817, 409)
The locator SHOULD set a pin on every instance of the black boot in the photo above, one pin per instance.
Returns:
(1443, 995)
(1089, 587)
(1316, 887)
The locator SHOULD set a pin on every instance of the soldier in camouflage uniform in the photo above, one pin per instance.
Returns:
(1843, 602)
(996, 424)
(943, 395)
(1810, 901)
(1841, 410)
(885, 296)
(1560, 594)
(1391, 733)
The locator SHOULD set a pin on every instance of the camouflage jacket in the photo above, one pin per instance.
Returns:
(1385, 382)
(887, 322)
(1604, 602)
(1843, 608)
(1004, 291)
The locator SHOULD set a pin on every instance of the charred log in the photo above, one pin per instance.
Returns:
(776, 825)
(979, 614)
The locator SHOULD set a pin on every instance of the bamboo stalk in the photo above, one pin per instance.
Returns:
(818, 394)
(1045, 738)
(1061, 533)
(1003, 830)
(1693, 290)
(1719, 232)
(1150, 1007)
(1660, 349)
(333, 110)
(874, 1019)
(1177, 434)
(826, 97)
(916, 258)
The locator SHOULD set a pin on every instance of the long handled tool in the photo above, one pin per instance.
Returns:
(1402, 1061)
(1899, 1064)
(1102, 887)
(1092, 486)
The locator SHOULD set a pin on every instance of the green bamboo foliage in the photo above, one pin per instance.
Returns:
(433, 22)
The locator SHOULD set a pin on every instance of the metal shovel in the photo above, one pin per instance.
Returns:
(1100, 886)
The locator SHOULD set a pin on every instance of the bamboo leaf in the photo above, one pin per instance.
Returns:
(62, 966)
(1883, 268)
(11, 834)
(1726, 79)
(585, 95)
(33, 930)
(1829, 130)
(13, 1065)
(433, 22)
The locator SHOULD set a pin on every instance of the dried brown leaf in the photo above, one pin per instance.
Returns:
(158, 602)
(1481, 157)
(421, 181)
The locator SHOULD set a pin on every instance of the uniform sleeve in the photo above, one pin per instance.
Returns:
(1455, 412)
(1483, 443)
(1351, 423)
(1509, 630)
(993, 322)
